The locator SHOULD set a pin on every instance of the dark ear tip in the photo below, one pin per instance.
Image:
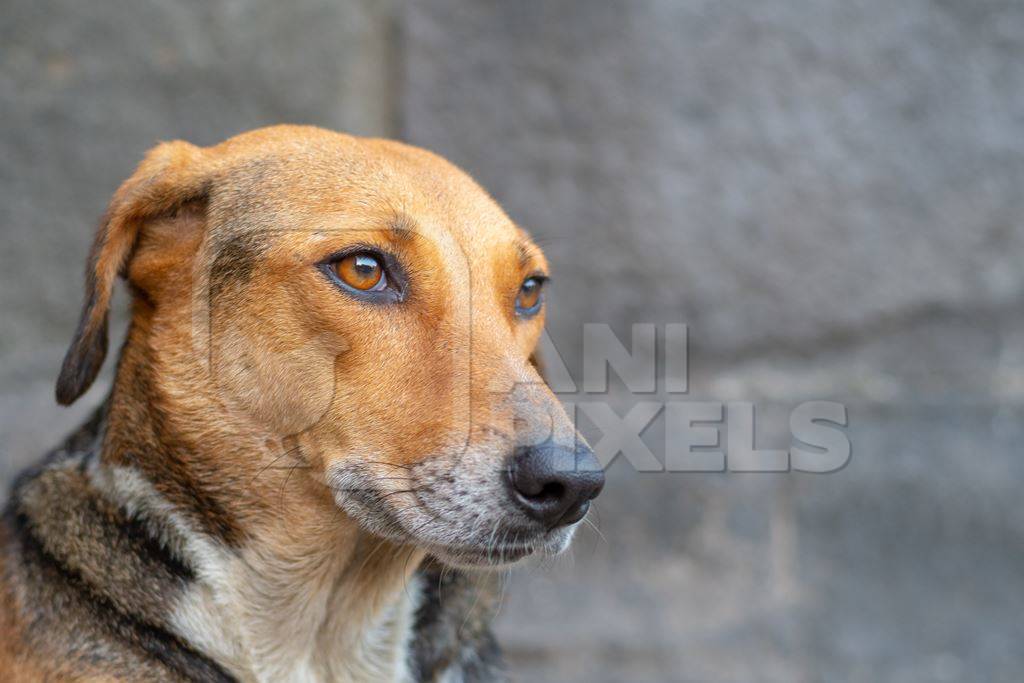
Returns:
(72, 381)
(66, 395)
(81, 365)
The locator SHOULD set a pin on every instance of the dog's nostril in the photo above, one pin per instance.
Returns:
(551, 492)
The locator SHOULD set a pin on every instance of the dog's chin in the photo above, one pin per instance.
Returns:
(499, 556)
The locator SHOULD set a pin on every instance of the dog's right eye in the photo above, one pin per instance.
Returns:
(362, 271)
(530, 296)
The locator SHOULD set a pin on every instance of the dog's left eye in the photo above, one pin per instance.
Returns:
(530, 297)
(362, 271)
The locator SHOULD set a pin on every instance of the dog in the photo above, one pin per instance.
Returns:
(327, 423)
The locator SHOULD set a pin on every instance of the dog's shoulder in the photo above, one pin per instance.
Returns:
(85, 590)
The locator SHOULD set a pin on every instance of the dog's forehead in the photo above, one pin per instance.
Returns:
(307, 179)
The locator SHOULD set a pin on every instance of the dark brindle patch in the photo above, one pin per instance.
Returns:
(103, 619)
(100, 583)
(453, 625)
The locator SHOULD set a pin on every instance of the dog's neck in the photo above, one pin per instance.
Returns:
(286, 586)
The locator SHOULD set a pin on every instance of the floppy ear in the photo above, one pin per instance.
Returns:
(171, 174)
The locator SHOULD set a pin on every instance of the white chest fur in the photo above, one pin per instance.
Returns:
(275, 628)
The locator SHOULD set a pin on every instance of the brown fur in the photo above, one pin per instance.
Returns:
(248, 380)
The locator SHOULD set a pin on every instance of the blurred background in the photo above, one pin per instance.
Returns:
(828, 192)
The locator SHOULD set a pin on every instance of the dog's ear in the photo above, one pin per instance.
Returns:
(171, 175)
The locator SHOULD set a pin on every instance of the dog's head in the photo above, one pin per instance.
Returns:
(366, 305)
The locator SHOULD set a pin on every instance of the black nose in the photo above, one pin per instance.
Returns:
(554, 484)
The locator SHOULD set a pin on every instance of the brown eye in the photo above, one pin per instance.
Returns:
(529, 299)
(361, 271)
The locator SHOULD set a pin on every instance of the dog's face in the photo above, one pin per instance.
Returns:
(370, 306)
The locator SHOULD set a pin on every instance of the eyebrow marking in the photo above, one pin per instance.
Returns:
(524, 252)
(235, 261)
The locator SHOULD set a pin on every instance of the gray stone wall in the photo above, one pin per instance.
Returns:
(828, 192)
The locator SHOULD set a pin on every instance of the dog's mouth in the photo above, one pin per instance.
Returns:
(468, 556)
(503, 553)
